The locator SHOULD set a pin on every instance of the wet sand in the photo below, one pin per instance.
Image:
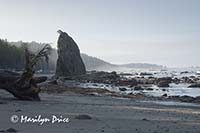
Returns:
(109, 114)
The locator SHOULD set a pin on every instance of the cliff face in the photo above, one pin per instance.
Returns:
(69, 61)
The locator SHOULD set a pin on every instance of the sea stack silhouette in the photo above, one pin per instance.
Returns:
(69, 62)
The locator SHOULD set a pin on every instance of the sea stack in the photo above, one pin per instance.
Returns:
(69, 62)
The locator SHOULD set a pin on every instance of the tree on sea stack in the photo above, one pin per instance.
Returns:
(24, 87)
(69, 62)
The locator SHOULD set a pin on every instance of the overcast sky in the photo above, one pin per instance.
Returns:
(165, 32)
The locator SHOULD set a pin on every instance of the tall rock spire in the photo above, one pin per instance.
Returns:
(69, 61)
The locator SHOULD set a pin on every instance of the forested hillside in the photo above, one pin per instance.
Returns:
(11, 57)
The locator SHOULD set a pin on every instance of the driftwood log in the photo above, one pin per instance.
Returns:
(9, 81)
(24, 86)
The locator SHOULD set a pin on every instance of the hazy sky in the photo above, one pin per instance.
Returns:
(165, 32)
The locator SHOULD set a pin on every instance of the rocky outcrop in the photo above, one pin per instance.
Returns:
(69, 62)
(97, 77)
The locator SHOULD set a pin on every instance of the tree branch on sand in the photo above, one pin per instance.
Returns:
(24, 86)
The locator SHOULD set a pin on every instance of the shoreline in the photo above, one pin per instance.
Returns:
(50, 88)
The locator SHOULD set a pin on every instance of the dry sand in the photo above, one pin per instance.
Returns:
(109, 115)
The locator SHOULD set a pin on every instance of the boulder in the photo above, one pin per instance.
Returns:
(195, 85)
(166, 79)
(145, 74)
(187, 80)
(187, 99)
(149, 89)
(176, 81)
(164, 95)
(197, 99)
(183, 98)
(69, 61)
(163, 84)
(128, 82)
(122, 89)
(184, 72)
(138, 88)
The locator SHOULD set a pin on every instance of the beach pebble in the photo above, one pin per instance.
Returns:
(18, 110)
(83, 117)
(2, 102)
(10, 130)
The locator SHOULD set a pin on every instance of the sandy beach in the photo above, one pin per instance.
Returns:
(99, 114)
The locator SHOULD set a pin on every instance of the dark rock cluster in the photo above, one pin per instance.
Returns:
(185, 99)
(96, 77)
